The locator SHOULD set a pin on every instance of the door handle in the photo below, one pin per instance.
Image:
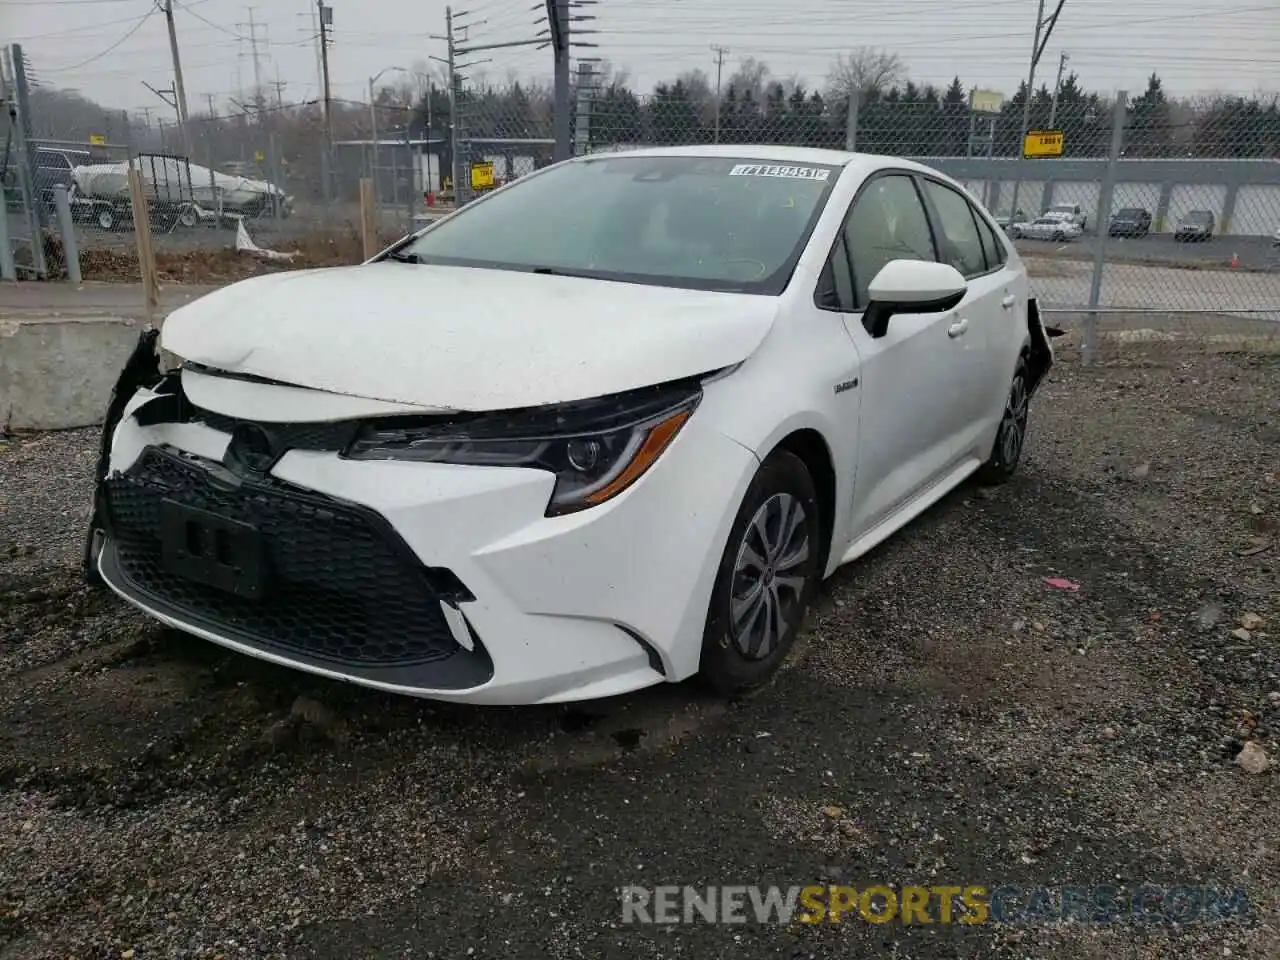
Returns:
(958, 328)
(1008, 301)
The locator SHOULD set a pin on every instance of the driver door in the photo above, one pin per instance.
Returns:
(911, 414)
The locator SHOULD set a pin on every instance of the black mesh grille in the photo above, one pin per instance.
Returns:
(343, 586)
(331, 435)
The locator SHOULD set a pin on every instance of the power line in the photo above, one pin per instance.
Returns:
(98, 56)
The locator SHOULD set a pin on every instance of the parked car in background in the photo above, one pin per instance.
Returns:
(1195, 226)
(1068, 211)
(1008, 221)
(1046, 228)
(1130, 222)
(618, 450)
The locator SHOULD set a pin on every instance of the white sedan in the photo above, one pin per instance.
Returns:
(1046, 228)
(606, 427)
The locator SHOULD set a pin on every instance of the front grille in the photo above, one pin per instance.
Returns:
(344, 587)
(326, 435)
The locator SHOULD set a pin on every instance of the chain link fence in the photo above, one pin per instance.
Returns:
(1117, 204)
(1127, 207)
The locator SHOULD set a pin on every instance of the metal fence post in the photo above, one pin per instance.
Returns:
(26, 154)
(851, 121)
(1089, 347)
(215, 195)
(8, 269)
(413, 191)
(70, 250)
(273, 172)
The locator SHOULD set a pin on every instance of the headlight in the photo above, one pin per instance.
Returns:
(595, 448)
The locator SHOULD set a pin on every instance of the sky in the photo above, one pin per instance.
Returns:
(108, 48)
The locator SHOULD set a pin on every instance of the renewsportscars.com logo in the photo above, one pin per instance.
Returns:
(939, 904)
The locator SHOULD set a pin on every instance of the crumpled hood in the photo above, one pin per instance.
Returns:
(461, 338)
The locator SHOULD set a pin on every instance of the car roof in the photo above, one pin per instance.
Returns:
(772, 153)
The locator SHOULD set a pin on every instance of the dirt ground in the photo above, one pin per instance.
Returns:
(950, 717)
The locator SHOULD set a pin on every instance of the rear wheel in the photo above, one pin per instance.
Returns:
(1006, 453)
(106, 219)
(766, 578)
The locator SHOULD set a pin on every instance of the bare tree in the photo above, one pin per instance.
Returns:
(698, 87)
(867, 70)
(750, 77)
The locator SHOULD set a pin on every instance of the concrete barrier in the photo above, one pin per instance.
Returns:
(62, 347)
(57, 372)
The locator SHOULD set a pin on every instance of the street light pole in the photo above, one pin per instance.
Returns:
(373, 134)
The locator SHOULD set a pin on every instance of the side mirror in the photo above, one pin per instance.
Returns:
(911, 286)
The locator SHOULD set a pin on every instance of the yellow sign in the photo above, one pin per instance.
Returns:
(257, 155)
(97, 139)
(1043, 143)
(481, 176)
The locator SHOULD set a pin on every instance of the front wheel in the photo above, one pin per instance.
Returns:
(1006, 453)
(766, 578)
(106, 219)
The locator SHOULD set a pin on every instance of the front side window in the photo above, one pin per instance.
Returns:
(887, 222)
(962, 245)
(711, 223)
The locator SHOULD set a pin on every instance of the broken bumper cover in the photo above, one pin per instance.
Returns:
(432, 580)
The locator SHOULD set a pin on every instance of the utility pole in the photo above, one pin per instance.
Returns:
(279, 85)
(558, 24)
(455, 159)
(1057, 89)
(213, 110)
(179, 90)
(324, 71)
(257, 62)
(1043, 31)
(719, 52)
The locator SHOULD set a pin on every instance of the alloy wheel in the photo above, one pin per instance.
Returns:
(1013, 426)
(769, 580)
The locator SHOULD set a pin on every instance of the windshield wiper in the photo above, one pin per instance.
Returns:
(557, 272)
(399, 257)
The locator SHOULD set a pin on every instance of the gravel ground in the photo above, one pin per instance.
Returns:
(949, 718)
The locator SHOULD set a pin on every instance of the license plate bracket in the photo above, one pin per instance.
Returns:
(217, 551)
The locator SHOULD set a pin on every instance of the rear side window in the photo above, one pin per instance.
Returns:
(992, 248)
(962, 247)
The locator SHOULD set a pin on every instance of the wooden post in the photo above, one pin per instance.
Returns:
(368, 218)
(146, 255)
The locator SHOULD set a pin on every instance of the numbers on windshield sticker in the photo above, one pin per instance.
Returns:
(779, 170)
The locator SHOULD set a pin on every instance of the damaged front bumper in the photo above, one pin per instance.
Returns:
(141, 370)
(435, 580)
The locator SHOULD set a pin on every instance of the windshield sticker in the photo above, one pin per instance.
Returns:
(779, 170)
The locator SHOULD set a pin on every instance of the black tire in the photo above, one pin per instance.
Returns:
(730, 665)
(187, 218)
(106, 220)
(1011, 438)
(1059, 236)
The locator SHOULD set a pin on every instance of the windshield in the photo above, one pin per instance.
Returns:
(1198, 216)
(1129, 212)
(707, 223)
